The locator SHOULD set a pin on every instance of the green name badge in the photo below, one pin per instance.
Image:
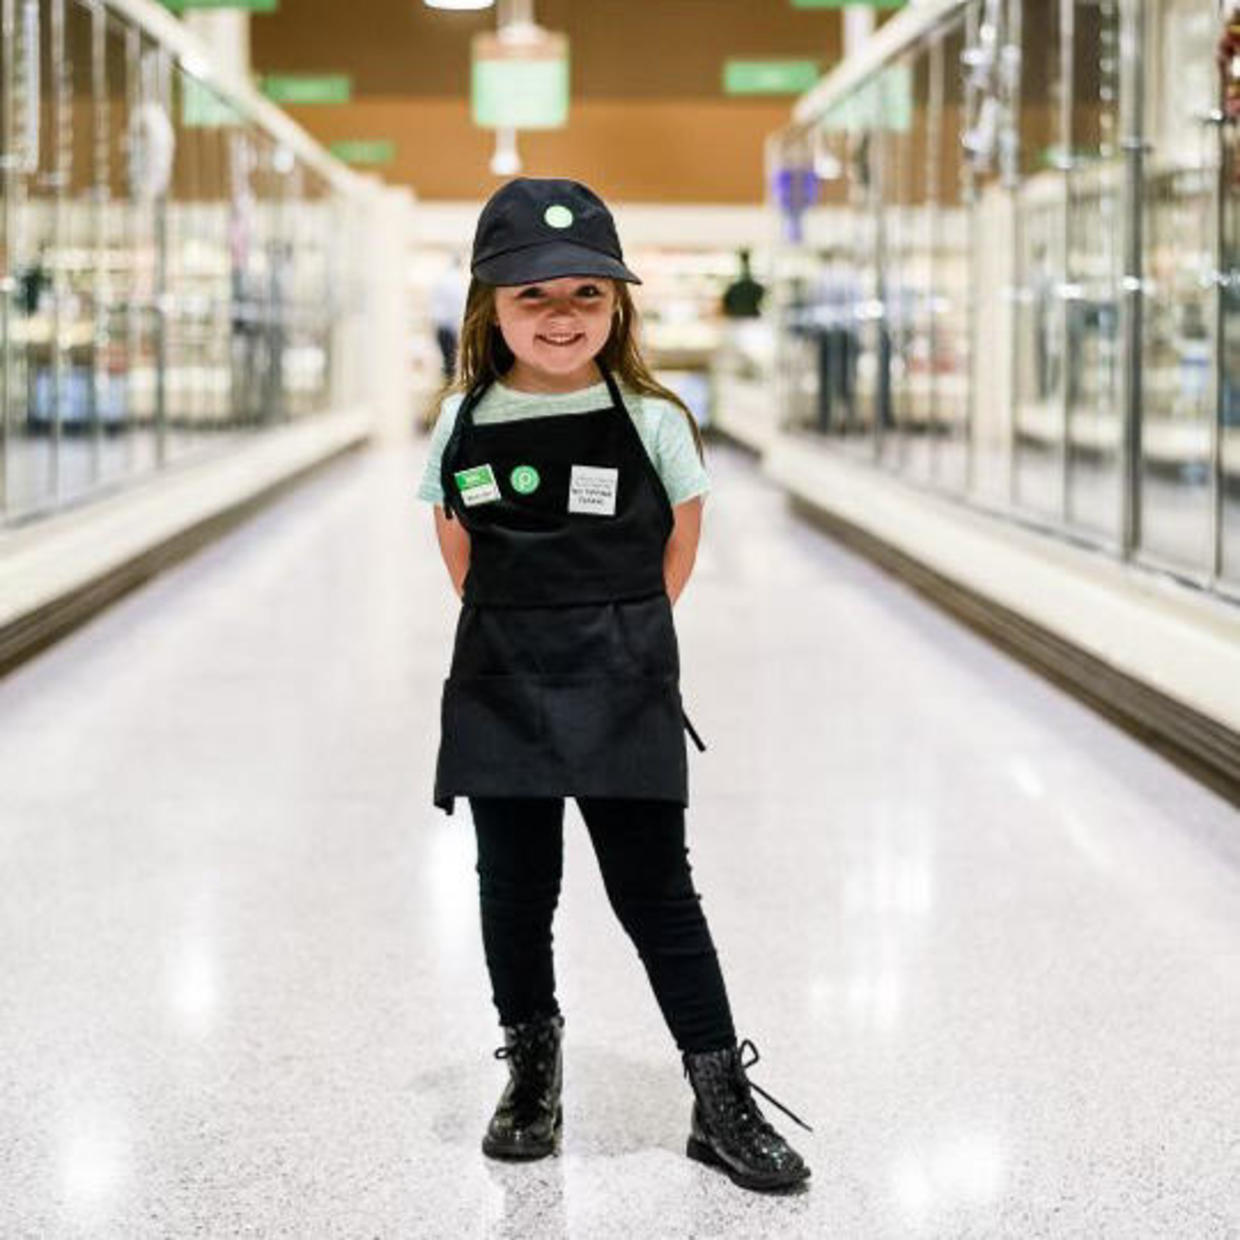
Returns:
(476, 485)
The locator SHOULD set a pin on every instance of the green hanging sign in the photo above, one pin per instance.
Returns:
(769, 77)
(308, 88)
(839, 4)
(519, 84)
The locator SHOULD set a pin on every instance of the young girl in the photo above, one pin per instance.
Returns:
(568, 516)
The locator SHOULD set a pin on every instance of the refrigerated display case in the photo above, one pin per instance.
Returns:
(1035, 299)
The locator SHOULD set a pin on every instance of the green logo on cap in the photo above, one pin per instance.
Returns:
(558, 216)
(525, 479)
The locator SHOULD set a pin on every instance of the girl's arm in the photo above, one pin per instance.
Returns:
(682, 545)
(453, 546)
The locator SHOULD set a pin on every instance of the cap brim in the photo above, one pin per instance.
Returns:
(550, 261)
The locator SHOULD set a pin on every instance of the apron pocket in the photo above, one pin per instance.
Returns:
(604, 735)
(617, 735)
(492, 739)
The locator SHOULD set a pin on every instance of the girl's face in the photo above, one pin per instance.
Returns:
(555, 327)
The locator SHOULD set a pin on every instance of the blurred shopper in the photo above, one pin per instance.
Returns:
(276, 327)
(447, 310)
(742, 299)
(837, 296)
(244, 316)
(568, 514)
(34, 284)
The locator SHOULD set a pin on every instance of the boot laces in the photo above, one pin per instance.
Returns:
(747, 1084)
(532, 1054)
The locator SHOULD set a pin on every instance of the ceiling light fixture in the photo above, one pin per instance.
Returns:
(458, 4)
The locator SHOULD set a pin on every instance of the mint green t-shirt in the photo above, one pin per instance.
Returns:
(662, 426)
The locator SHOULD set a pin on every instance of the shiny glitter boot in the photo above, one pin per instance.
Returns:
(528, 1118)
(728, 1130)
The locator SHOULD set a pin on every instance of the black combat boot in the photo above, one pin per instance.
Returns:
(528, 1118)
(727, 1129)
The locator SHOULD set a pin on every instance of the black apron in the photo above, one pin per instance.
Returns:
(565, 676)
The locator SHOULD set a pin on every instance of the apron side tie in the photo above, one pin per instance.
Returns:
(697, 740)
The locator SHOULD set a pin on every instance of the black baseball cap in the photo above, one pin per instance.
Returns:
(538, 228)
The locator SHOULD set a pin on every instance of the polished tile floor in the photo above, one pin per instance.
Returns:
(987, 945)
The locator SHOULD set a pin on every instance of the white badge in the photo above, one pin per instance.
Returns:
(592, 488)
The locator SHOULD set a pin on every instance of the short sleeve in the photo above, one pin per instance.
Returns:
(677, 461)
(430, 488)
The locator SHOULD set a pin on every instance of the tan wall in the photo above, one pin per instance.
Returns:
(638, 150)
(648, 120)
(631, 49)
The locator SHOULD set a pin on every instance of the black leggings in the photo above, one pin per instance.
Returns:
(641, 851)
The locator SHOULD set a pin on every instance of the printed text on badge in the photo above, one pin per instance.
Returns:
(592, 488)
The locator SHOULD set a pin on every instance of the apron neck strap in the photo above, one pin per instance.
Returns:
(613, 391)
(475, 394)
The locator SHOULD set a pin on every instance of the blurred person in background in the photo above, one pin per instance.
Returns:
(742, 299)
(447, 311)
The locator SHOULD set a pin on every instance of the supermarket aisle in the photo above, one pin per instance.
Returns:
(988, 946)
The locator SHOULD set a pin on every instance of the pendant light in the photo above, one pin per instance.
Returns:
(506, 161)
(515, 25)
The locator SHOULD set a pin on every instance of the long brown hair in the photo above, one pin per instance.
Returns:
(483, 352)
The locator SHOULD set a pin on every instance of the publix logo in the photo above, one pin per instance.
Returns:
(524, 479)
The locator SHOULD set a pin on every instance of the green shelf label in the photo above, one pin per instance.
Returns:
(251, 6)
(769, 77)
(364, 150)
(308, 88)
(839, 4)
